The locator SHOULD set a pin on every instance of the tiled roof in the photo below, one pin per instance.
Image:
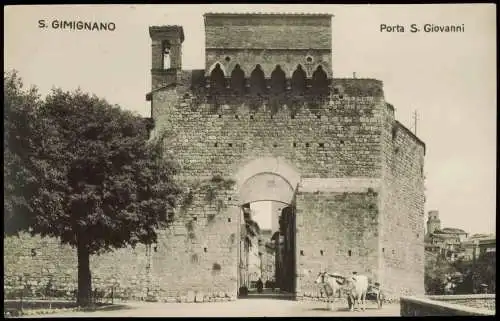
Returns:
(453, 230)
(448, 230)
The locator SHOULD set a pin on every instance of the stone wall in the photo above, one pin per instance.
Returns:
(341, 138)
(195, 259)
(288, 60)
(402, 208)
(338, 233)
(36, 260)
(429, 306)
(480, 301)
(343, 202)
(268, 31)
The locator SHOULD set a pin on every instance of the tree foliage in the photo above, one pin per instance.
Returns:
(471, 273)
(83, 170)
(21, 133)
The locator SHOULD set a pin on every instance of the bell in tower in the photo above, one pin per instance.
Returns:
(166, 53)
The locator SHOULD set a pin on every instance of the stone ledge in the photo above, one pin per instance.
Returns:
(461, 297)
(415, 306)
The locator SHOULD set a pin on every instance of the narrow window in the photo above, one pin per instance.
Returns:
(166, 55)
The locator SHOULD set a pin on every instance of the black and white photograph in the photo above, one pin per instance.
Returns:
(250, 160)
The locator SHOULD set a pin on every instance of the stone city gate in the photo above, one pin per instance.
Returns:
(265, 105)
(270, 179)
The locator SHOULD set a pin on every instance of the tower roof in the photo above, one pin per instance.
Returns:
(167, 30)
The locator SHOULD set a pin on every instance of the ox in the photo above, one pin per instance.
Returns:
(331, 283)
(357, 288)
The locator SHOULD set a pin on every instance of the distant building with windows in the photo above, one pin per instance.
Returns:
(484, 244)
(446, 241)
(267, 256)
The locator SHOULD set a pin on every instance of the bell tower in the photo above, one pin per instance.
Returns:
(166, 50)
(433, 222)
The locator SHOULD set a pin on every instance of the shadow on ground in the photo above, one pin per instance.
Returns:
(110, 307)
(341, 309)
(267, 296)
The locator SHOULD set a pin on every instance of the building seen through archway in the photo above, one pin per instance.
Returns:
(267, 247)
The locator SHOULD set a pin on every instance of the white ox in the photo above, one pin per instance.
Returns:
(357, 287)
(331, 283)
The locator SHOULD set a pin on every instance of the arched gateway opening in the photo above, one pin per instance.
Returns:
(267, 250)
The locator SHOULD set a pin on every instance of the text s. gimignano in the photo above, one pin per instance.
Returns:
(428, 28)
(77, 25)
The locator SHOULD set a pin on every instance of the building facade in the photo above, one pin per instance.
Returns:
(479, 244)
(445, 241)
(266, 120)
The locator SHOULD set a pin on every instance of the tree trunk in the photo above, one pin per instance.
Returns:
(84, 279)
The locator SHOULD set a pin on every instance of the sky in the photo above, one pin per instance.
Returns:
(262, 213)
(448, 78)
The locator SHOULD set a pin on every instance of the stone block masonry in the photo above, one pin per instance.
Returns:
(331, 146)
(338, 233)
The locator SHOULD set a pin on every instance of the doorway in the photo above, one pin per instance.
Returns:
(267, 251)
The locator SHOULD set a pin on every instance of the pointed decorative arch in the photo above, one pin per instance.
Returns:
(214, 65)
(217, 80)
(238, 80)
(319, 81)
(278, 80)
(298, 81)
(257, 81)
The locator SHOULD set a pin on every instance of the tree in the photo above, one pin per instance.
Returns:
(437, 268)
(99, 182)
(21, 134)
